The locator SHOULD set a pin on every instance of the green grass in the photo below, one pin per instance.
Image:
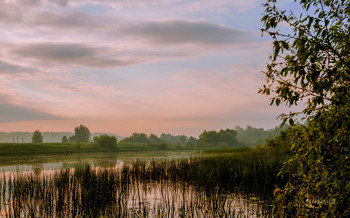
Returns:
(8, 149)
(227, 150)
(48, 148)
(30, 153)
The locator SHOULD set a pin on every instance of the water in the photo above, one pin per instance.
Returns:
(51, 162)
(116, 185)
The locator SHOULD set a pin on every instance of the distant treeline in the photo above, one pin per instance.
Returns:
(48, 137)
(253, 136)
(237, 137)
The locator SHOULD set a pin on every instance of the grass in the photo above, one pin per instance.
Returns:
(58, 148)
(28, 153)
(45, 148)
(227, 150)
(191, 187)
(7, 149)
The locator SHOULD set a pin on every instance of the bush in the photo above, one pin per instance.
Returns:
(319, 169)
(106, 141)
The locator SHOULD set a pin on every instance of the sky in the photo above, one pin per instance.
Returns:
(128, 66)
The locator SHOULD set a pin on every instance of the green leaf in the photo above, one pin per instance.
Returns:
(283, 122)
(291, 122)
(277, 48)
(278, 101)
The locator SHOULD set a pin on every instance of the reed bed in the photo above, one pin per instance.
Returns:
(215, 186)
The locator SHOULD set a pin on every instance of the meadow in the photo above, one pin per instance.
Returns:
(7, 149)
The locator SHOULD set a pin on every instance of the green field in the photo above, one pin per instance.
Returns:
(31, 153)
(61, 148)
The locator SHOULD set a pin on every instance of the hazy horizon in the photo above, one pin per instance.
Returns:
(169, 66)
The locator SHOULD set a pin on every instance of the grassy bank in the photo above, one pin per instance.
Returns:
(7, 149)
(31, 153)
(25, 151)
(44, 148)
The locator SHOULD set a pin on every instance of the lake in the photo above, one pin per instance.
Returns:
(147, 184)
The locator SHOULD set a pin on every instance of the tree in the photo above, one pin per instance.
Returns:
(254, 136)
(182, 139)
(319, 169)
(153, 139)
(64, 139)
(124, 140)
(82, 133)
(192, 142)
(138, 138)
(171, 139)
(72, 139)
(311, 63)
(37, 137)
(229, 137)
(223, 138)
(106, 141)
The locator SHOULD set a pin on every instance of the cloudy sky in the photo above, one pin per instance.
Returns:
(127, 66)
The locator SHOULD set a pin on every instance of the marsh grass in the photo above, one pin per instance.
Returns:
(213, 186)
(228, 150)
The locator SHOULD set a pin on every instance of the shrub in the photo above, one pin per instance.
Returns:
(105, 141)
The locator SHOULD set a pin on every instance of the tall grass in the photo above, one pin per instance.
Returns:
(201, 186)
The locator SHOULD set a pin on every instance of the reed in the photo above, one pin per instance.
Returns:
(213, 186)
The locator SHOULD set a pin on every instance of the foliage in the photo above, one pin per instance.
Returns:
(72, 139)
(320, 168)
(192, 142)
(138, 138)
(153, 139)
(124, 140)
(82, 133)
(105, 141)
(281, 144)
(37, 137)
(254, 136)
(312, 63)
(164, 139)
(64, 139)
(171, 139)
(223, 138)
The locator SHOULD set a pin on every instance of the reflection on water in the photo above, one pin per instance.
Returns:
(52, 162)
(124, 190)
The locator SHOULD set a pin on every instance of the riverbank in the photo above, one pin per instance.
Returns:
(23, 153)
